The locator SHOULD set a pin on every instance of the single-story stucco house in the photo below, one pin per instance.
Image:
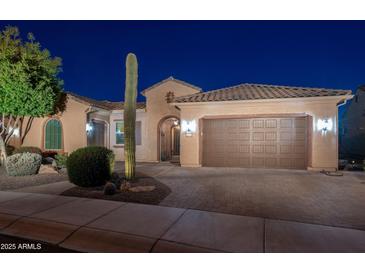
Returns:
(247, 125)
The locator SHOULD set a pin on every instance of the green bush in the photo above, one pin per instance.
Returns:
(28, 149)
(90, 166)
(22, 164)
(61, 160)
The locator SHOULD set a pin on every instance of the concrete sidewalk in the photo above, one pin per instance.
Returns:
(90, 225)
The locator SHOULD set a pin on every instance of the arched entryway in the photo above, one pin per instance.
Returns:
(169, 139)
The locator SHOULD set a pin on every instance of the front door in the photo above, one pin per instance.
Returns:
(176, 140)
(96, 136)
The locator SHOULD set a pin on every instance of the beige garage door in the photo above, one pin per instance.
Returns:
(257, 142)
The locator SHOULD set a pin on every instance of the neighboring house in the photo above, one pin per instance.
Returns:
(246, 125)
(352, 127)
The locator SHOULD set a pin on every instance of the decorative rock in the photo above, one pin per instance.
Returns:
(125, 186)
(109, 189)
(142, 188)
(54, 164)
(62, 170)
(115, 179)
(47, 169)
(48, 161)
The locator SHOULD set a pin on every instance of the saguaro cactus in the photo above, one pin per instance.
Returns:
(130, 116)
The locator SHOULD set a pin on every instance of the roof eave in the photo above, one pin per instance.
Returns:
(317, 98)
(143, 92)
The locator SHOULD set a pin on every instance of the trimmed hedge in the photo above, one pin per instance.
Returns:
(22, 164)
(28, 149)
(90, 166)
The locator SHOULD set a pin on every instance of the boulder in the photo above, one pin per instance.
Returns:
(109, 189)
(48, 160)
(47, 169)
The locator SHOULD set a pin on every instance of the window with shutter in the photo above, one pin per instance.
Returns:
(53, 135)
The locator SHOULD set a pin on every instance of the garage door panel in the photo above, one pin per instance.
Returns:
(270, 136)
(270, 149)
(259, 142)
(258, 136)
(271, 162)
(299, 136)
(258, 148)
(286, 123)
(300, 123)
(299, 163)
(232, 148)
(244, 162)
(258, 161)
(286, 136)
(244, 136)
(299, 149)
(285, 163)
(244, 148)
(258, 123)
(271, 123)
(285, 149)
(244, 125)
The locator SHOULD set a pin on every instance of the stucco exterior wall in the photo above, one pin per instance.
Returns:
(323, 148)
(73, 121)
(157, 109)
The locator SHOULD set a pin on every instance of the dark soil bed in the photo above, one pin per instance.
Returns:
(153, 197)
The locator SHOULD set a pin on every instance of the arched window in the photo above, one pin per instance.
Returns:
(53, 135)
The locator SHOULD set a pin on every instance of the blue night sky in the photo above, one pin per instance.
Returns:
(209, 54)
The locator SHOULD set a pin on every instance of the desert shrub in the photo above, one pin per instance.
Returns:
(22, 164)
(28, 149)
(61, 160)
(90, 166)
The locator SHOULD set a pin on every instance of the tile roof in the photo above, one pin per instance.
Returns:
(256, 91)
(104, 104)
(174, 80)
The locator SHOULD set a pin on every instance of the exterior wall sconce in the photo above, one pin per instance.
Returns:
(188, 127)
(324, 125)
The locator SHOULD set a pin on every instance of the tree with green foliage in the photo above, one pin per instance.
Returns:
(130, 98)
(29, 84)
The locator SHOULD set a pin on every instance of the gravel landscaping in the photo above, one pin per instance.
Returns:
(153, 197)
(15, 182)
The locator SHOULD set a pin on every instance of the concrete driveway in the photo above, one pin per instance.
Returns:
(309, 197)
